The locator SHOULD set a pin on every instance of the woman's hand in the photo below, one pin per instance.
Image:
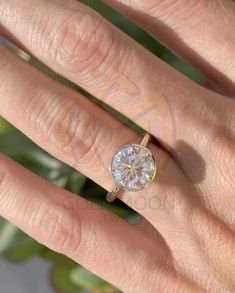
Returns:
(186, 241)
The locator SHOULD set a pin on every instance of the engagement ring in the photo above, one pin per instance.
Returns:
(133, 168)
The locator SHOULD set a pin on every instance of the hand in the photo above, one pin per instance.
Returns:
(186, 241)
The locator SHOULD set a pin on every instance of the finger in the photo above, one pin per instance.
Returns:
(63, 122)
(81, 45)
(202, 32)
(81, 230)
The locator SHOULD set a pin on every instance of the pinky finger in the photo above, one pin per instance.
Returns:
(85, 232)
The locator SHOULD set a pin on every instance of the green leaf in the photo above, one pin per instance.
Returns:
(4, 126)
(93, 191)
(55, 257)
(60, 279)
(60, 272)
(87, 280)
(76, 182)
(61, 181)
(23, 248)
(8, 233)
(23, 150)
(182, 66)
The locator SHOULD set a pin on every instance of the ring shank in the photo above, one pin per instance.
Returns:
(111, 196)
(146, 139)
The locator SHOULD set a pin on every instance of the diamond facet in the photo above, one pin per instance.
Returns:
(133, 167)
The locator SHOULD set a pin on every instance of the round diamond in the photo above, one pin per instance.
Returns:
(133, 167)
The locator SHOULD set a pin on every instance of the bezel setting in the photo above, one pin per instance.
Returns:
(133, 167)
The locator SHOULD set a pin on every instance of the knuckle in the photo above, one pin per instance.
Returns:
(70, 129)
(60, 230)
(66, 126)
(76, 42)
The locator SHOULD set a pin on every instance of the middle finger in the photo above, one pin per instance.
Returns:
(79, 44)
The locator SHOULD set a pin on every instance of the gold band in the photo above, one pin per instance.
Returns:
(112, 195)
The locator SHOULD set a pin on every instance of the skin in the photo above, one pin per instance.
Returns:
(185, 241)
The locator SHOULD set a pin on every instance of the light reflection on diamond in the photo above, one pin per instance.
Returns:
(133, 167)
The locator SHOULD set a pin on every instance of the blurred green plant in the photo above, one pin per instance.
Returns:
(67, 276)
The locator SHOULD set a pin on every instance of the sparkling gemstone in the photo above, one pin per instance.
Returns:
(133, 167)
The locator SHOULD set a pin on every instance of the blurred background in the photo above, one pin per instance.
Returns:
(25, 265)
